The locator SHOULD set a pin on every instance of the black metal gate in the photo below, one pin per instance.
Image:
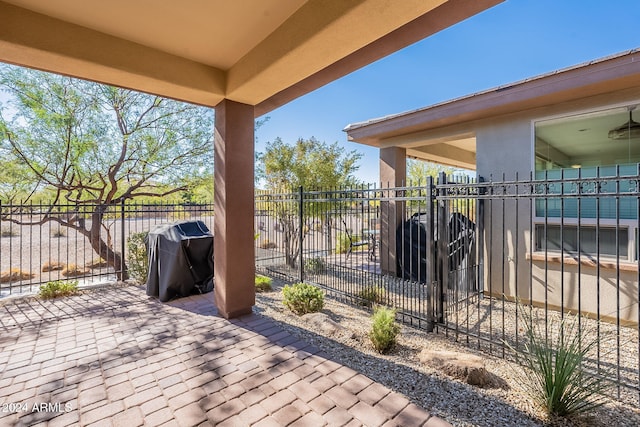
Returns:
(458, 250)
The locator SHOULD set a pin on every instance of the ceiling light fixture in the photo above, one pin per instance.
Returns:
(631, 129)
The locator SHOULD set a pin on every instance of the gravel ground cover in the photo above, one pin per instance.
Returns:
(455, 401)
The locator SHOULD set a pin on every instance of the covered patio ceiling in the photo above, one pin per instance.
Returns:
(257, 52)
(245, 58)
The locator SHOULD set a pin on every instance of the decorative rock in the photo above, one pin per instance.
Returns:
(322, 323)
(466, 367)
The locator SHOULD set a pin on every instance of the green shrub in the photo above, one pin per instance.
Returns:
(137, 259)
(315, 265)
(97, 263)
(73, 270)
(554, 356)
(303, 298)
(372, 295)
(263, 283)
(58, 288)
(384, 329)
(342, 243)
(15, 275)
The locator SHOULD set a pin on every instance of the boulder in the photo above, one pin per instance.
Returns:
(323, 323)
(466, 367)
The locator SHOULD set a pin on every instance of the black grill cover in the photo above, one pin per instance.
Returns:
(411, 248)
(411, 245)
(180, 260)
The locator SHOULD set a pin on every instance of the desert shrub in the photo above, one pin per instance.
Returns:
(384, 329)
(554, 355)
(15, 275)
(371, 295)
(137, 258)
(263, 283)
(342, 243)
(58, 288)
(8, 232)
(52, 266)
(97, 263)
(315, 265)
(303, 298)
(73, 270)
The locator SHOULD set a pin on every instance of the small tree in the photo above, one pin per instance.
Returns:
(93, 147)
(418, 171)
(310, 164)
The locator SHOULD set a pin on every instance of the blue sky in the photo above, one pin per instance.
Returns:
(509, 42)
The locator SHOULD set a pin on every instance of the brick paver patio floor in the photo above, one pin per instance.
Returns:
(119, 358)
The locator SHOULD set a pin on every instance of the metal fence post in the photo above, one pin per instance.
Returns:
(122, 242)
(301, 231)
(430, 261)
(442, 262)
(482, 190)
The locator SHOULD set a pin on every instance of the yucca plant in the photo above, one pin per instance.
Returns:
(556, 356)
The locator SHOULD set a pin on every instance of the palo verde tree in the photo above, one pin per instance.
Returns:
(14, 182)
(310, 164)
(92, 147)
(417, 173)
(419, 170)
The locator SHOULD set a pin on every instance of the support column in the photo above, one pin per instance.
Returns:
(393, 172)
(234, 252)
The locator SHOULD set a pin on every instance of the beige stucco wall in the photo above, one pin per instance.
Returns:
(505, 145)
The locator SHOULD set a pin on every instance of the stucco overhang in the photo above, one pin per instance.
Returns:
(257, 52)
(439, 127)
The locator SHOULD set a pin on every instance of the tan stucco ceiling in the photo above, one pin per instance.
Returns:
(456, 150)
(204, 31)
(258, 52)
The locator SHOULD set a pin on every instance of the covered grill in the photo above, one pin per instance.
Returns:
(411, 248)
(180, 260)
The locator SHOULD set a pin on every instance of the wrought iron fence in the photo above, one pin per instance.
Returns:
(456, 256)
(452, 256)
(35, 246)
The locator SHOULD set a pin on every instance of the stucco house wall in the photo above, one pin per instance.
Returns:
(505, 145)
(494, 130)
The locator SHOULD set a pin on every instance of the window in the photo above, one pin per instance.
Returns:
(582, 146)
(555, 238)
(582, 141)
